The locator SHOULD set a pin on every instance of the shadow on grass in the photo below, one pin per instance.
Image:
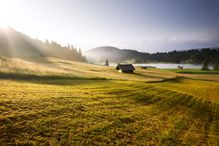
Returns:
(175, 80)
(166, 99)
(148, 76)
(199, 79)
(193, 71)
(48, 79)
(198, 72)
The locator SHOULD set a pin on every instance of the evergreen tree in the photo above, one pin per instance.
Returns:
(106, 62)
(72, 47)
(79, 51)
(205, 65)
(47, 42)
(216, 65)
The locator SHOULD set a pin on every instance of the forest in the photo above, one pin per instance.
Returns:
(195, 56)
(22, 46)
(187, 56)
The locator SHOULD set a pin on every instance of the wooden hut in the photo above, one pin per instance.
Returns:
(125, 68)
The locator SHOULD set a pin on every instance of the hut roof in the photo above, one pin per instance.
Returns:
(125, 67)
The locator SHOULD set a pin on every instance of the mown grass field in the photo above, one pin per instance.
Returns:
(69, 103)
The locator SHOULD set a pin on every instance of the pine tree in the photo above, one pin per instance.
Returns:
(47, 42)
(69, 46)
(205, 65)
(107, 62)
(72, 47)
(79, 51)
(216, 65)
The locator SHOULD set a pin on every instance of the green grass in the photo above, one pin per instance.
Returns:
(102, 107)
(194, 71)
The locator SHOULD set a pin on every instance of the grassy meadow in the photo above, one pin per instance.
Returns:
(60, 102)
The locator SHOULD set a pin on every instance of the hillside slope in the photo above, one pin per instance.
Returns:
(113, 54)
(18, 45)
(70, 69)
(62, 102)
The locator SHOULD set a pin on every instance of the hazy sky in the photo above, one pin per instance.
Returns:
(145, 25)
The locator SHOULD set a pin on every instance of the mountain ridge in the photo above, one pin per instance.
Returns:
(115, 55)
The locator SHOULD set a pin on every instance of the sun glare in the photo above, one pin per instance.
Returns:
(6, 13)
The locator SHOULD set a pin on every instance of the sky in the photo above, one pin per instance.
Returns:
(143, 25)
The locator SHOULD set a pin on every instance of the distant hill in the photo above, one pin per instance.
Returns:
(115, 55)
(18, 45)
(100, 54)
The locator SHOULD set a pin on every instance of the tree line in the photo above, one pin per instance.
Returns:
(205, 56)
(208, 56)
(17, 44)
(196, 56)
(53, 49)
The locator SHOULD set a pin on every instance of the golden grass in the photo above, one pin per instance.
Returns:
(59, 67)
(207, 90)
(212, 77)
(108, 112)
(123, 109)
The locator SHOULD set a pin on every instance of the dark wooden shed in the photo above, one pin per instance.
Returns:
(125, 68)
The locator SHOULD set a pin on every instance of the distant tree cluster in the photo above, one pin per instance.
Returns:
(188, 56)
(53, 49)
(204, 56)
